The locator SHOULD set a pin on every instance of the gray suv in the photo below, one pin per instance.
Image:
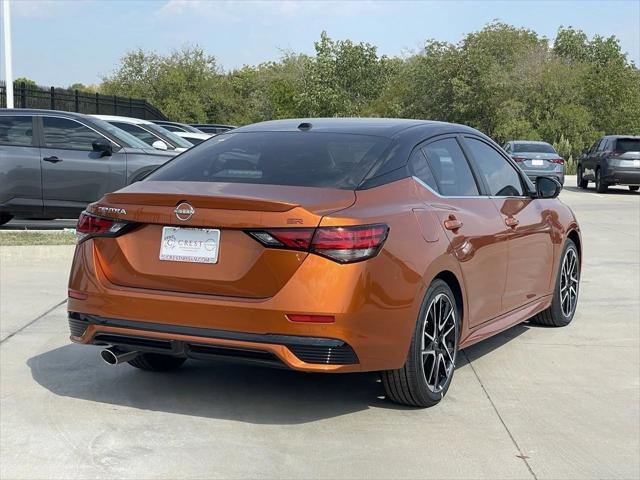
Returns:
(612, 160)
(52, 164)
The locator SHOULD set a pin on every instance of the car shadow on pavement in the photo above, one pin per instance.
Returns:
(245, 393)
(485, 347)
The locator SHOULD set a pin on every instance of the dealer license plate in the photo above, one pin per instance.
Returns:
(193, 245)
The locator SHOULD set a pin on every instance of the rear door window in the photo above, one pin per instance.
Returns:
(450, 168)
(16, 130)
(501, 177)
(305, 159)
(68, 134)
(421, 170)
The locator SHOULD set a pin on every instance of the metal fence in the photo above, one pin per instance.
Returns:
(29, 96)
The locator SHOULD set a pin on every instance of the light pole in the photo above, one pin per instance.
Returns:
(6, 17)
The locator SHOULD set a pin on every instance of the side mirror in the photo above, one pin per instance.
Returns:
(103, 146)
(160, 145)
(547, 187)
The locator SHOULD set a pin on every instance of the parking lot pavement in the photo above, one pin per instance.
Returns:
(33, 280)
(530, 403)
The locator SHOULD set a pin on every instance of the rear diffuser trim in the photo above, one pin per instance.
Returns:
(313, 350)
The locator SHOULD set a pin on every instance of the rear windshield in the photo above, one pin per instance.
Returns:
(628, 145)
(304, 159)
(533, 147)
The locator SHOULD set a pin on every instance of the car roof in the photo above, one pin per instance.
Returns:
(535, 142)
(634, 137)
(169, 122)
(213, 125)
(117, 118)
(41, 111)
(203, 136)
(383, 127)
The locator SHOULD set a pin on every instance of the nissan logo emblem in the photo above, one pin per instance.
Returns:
(184, 211)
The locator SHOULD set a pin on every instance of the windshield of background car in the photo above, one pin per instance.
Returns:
(172, 137)
(533, 147)
(125, 138)
(304, 159)
(628, 145)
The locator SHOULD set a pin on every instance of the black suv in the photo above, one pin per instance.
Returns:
(612, 160)
(52, 164)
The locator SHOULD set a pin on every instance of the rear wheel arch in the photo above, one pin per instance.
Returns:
(575, 237)
(454, 284)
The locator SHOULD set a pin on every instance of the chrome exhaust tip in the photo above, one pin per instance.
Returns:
(115, 356)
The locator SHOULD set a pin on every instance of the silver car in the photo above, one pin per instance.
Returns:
(537, 159)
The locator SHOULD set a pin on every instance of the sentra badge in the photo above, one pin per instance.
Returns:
(112, 210)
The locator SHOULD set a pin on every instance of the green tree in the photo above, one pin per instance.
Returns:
(342, 79)
(26, 81)
(180, 84)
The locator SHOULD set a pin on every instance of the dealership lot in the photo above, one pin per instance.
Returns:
(530, 403)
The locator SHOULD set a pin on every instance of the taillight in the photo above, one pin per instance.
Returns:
(559, 161)
(341, 244)
(349, 244)
(90, 225)
(519, 159)
(290, 238)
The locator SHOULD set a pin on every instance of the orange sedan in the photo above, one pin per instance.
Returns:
(326, 245)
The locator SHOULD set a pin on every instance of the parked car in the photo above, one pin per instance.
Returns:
(212, 127)
(52, 164)
(537, 158)
(176, 127)
(153, 135)
(194, 138)
(326, 245)
(612, 160)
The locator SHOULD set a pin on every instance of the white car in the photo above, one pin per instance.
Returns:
(194, 138)
(150, 133)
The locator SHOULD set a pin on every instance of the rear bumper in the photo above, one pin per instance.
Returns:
(195, 342)
(622, 176)
(371, 331)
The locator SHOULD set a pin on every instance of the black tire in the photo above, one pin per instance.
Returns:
(601, 186)
(4, 218)
(557, 315)
(582, 183)
(409, 385)
(634, 188)
(156, 362)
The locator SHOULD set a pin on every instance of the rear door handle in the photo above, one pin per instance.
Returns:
(53, 159)
(452, 223)
(511, 222)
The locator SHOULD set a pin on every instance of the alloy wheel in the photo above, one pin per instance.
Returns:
(569, 283)
(439, 342)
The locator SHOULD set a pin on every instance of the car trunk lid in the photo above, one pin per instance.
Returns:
(244, 268)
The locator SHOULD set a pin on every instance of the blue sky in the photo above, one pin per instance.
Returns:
(59, 42)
